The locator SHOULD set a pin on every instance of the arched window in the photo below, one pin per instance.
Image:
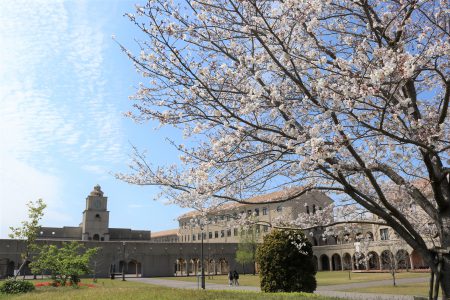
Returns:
(314, 208)
(96, 237)
(307, 209)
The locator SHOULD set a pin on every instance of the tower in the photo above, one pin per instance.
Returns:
(95, 225)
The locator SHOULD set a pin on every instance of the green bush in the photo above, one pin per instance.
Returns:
(286, 262)
(12, 286)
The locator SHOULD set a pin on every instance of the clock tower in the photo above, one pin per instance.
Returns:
(95, 225)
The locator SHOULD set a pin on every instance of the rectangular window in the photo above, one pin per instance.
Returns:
(264, 211)
(222, 217)
(222, 233)
(210, 234)
(258, 229)
(265, 228)
(228, 232)
(384, 234)
(216, 234)
(193, 237)
(228, 217)
(257, 211)
(235, 231)
(279, 208)
(199, 236)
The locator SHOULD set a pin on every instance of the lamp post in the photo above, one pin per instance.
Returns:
(203, 267)
(123, 265)
(201, 224)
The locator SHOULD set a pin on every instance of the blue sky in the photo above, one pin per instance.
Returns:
(64, 86)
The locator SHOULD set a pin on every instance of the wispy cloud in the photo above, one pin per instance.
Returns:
(54, 104)
(53, 95)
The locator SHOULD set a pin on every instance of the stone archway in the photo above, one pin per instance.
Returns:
(181, 266)
(417, 261)
(373, 261)
(223, 266)
(134, 267)
(325, 262)
(336, 262)
(359, 261)
(387, 260)
(122, 267)
(213, 269)
(403, 259)
(195, 266)
(26, 269)
(347, 261)
(6, 268)
(10, 269)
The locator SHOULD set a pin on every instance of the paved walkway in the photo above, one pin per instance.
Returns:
(330, 290)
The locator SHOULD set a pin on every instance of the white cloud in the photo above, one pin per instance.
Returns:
(51, 85)
(54, 105)
(20, 184)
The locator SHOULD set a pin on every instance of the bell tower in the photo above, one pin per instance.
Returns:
(95, 225)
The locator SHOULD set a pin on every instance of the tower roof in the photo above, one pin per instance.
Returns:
(97, 191)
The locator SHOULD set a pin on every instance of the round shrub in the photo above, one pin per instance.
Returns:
(286, 262)
(12, 286)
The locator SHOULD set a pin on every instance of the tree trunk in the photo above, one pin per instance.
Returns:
(21, 267)
(445, 275)
(393, 278)
(445, 244)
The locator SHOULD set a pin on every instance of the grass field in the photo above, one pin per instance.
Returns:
(107, 289)
(417, 289)
(323, 278)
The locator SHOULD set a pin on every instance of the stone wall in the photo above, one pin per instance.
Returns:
(144, 259)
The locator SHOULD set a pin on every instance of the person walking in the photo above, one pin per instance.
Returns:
(230, 278)
(236, 278)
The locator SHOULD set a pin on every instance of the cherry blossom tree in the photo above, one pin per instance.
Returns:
(349, 97)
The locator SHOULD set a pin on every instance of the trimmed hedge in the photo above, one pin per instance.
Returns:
(12, 286)
(286, 262)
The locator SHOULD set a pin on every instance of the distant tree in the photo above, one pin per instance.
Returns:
(29, 230)
(286, 262)
(246, 252)
(68, 262)
(393, 256)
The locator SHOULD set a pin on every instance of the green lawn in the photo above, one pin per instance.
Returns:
(341, 277)
(107, 289)
(417, 289)
(323, 278)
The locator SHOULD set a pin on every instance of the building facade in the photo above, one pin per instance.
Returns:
(177, 252)
(364, 247)
(135, 252)
(221, 228)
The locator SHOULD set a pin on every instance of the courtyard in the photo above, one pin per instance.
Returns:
(331, 285)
